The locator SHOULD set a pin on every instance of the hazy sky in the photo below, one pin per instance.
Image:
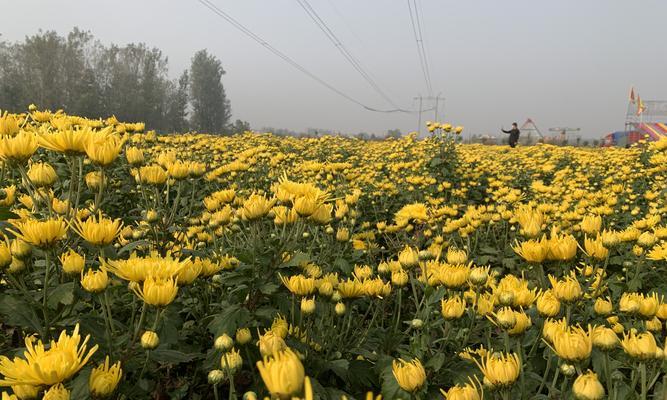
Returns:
(562, 63)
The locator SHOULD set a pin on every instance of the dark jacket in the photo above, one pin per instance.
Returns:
(514, 134)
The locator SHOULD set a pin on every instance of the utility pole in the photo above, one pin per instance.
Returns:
(436, 108)
(419, 120)
(437, 99)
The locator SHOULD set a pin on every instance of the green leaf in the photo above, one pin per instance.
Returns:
(80, 389)
(5, 214)
(436, 362)
(131, 246)
(390, 388)
(172, 356)
(339, 367)
(297, 259)
(269, 288)
(18, 312)
(343, 265)
(229, 320)
(360, 374)
(62, 294)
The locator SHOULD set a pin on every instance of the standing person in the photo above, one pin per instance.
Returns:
(514, 134)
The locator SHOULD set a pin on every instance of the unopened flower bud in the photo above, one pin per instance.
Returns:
(150, 340)
(223, 342)
(216, 376)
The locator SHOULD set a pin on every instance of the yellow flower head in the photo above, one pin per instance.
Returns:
(282, 373)
(469, 391)
(94, 281)
(42, 234)
(453, 308)
(604, 338)
(562, 248)
(270, 343)
(300, 285)
(641, 346)
(595, 248)
(42, 174)
(100, 231)
(137, 269)
(534, 251)
(104, 149)
(566, 290)
(410, 375)
(157, 291)
(416, 212)
(64, 358)
(587, 387)
(67, 141)
(591, 224)
(178, 170)
(231, 359)
(256, 206)
(572, 344)
(104, 379)
(72, 262)
(57, 392)
(25, 392)
(151, 175)
(548, 304)
(408, 257)
(9, 125)
(134, 156)
(500, 370)
(19, 148)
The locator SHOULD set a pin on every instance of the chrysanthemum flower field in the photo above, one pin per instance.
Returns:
(191, 266)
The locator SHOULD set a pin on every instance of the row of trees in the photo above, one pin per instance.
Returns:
(82, 76)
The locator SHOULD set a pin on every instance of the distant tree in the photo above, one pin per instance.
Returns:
(394, 133)
(12, 91)
(81, 91)
(210, 108)
(177, 113)
(153, 86)
(80, 75)
(41, 69)
(238, 127)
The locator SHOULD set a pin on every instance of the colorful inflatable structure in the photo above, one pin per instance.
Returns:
(645, 131)
(644, 120)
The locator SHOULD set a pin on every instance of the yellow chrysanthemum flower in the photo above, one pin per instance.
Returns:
(64, 358)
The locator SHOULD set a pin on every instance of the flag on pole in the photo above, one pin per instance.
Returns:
(632, 95)
(640, 106)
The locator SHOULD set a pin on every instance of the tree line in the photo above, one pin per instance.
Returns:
(80, 75)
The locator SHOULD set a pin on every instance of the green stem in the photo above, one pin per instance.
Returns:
(108, 306)
(642, 373)
(143, 369)
(232, 392)
(544, 377)
(46, 293)
(107, 323)
(398, 312)
(607, 369)
(98, 196)
(522, 360)
(554, 380)
(142, 317)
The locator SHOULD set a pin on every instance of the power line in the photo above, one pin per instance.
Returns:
(211, 6)
(421, 49)
(343, 50)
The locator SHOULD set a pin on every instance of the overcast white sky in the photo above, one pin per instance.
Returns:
(562, 63)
